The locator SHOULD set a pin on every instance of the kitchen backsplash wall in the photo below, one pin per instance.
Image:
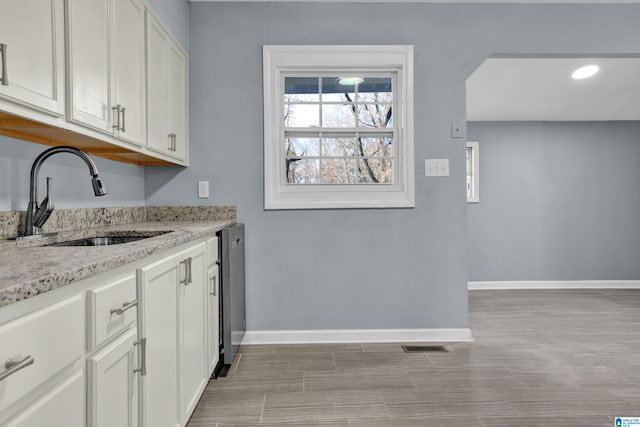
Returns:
(74, 219)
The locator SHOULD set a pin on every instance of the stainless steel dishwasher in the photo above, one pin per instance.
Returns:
(232, 305)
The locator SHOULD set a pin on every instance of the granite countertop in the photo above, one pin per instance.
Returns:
(29, 268)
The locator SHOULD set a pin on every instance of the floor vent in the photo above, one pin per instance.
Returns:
(424, 348)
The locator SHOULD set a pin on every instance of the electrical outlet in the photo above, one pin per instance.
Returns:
(436, 167)
(203, 189)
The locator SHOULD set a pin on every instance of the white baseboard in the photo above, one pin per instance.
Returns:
(357, 336)
(564, 284)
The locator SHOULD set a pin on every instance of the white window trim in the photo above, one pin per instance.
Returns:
(279, 59)
(475, 148)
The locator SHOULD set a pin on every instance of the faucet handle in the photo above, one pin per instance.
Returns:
(46, 207)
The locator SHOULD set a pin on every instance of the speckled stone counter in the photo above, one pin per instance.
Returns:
(29, 268)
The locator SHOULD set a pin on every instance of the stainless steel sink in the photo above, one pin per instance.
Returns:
(107, 240)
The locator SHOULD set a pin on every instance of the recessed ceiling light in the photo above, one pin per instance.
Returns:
(350, 81)
(585, 72)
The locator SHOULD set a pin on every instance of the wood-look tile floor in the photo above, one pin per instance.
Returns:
(540, 358)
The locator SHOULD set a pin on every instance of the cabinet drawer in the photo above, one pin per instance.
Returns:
(111, 309)
(62, 406)
(52, 337)
(212, 251)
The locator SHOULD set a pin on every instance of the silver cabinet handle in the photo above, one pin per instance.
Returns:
(125, 306)
(143, 356)
(3, 53)
(188, 279)
(122, 128)
(116, 111)
(170, 142)
(214, 281)
(173, 142)
(11, 366)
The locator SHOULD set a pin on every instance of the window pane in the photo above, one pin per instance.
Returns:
(302, 146)
(375, 90)
(301, 89)
(375, 116)
(338, 147)
(301, 115)
(301, 171)
(338, 116)
(377, 147)
(332, 91)
(375, 171)
(339, 171)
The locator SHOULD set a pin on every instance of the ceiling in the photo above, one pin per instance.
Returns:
(436, 1)
(541, 89)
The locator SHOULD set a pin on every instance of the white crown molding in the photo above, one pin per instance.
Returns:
(429, 1)
(567, 284)
(335, 336)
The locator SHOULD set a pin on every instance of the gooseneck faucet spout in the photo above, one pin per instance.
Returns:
(38, 215)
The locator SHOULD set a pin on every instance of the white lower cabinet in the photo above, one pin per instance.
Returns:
(158, 326)
(39, 352)
(213, 318)
(193, 331)
(60, 406)
(112, 379)
(149, 347)
(172, 319)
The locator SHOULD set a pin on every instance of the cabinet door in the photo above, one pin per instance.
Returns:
(178, 100)
(89, 65)
(112, 385)
(193, 330)
(61, 406)
(213, 318)
(158, 138)
(32, 32)
(158, 323)
(129, 69)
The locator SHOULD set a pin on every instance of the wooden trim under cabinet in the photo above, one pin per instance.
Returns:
(29, 130)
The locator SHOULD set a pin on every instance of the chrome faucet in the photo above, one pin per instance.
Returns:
(38, 215)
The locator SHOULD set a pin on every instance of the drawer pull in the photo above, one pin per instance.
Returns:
(188, 278)
(12, 366)
(125, 306)
(143, 356)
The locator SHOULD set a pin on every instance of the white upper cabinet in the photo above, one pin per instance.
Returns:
(177, 99)
(89, 67)
(106, 66)
(32, 54)
(167, 80)
(129, 69)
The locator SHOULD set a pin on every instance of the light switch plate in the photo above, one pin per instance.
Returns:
(436, 167)
(203, 189)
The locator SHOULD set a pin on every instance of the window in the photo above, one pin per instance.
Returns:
(472, 156)
(338, 126)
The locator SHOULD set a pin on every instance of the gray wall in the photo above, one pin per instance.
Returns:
(175, 15)
(71, 180)
(359, 268)
(558, 201)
